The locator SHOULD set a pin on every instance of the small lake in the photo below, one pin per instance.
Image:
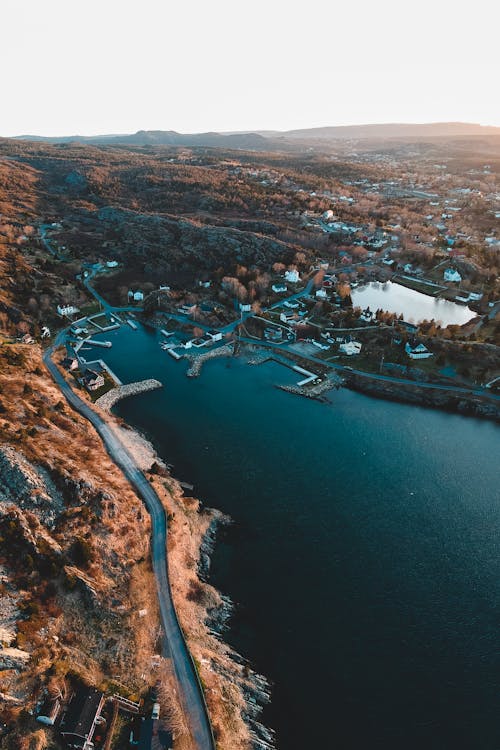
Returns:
(414, 306)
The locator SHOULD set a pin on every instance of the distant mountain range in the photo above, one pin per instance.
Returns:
(268, 140)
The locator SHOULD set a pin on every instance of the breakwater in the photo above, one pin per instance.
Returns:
(198, 360)
(109, 399)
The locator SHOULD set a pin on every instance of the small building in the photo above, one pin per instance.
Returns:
(287, 316)
(65, 309)
(350, 348)
(245, 307)
(321, 294)
(417, 351)
(112, 264)
(81, 718)
(92, 379)
(136, 296)
(273, 334)
(451, 274)
(292, 276)
(279, 288)
(70, 363)
(215, 335)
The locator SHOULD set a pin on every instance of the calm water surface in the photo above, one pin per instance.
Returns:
(364, 556)
(414, 305)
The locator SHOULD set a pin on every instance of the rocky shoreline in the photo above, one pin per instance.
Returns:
(224, 672)
(469, 405)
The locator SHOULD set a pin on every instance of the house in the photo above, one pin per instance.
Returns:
(111, 264)
(245, 307)
(92, 379)
(65, 309)
(136, 296)
(350, 348)
(451, 275)
(205, 284)
(273, 334)
(287, 316)
(81, 718)
(70, 363)
(215, 335)
(279, 288)
(408, 268)
(417, 351)
(292, 276)
(321, 294)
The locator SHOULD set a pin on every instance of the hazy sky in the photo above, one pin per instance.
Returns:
(112, 66)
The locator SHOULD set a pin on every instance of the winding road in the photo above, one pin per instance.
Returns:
(173, 643)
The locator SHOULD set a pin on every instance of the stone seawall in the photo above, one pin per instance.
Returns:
(109, 399)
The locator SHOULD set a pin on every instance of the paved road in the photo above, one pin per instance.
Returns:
(174, 646)
(474, 390)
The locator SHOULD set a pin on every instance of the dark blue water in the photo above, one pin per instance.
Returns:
(364, 558)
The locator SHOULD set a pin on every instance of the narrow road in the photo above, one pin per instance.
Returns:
(174, 645)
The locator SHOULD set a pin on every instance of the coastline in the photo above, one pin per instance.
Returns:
(234, 693)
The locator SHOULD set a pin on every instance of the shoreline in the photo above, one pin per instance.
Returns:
(235, 694)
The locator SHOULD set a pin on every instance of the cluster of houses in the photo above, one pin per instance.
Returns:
(83, 722)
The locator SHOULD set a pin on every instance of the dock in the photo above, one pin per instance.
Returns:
(167, 333)
(105, 344)
(174, 354)
(310, 376)
(187, 486)
(132, 324)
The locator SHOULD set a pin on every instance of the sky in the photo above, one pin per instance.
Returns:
(113, 66)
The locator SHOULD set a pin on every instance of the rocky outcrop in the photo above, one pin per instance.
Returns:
(438, 398)
(28, 486)
(162, 243)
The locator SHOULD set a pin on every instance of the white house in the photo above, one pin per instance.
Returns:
(327, 215)
(137, 296)
(451, 275)
(292, 276)
(215, 335)
(111, 264)
(408, 268)
(245, 307)
(67, 309)
(279, 288)
(321, 294)
(350, 348)
(417, 351)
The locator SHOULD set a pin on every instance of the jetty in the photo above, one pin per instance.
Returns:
(132, 324)
(197, 360)
(104, 344)
(109, 399)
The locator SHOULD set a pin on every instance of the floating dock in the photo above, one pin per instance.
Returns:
(132, 324)
(174, 354)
